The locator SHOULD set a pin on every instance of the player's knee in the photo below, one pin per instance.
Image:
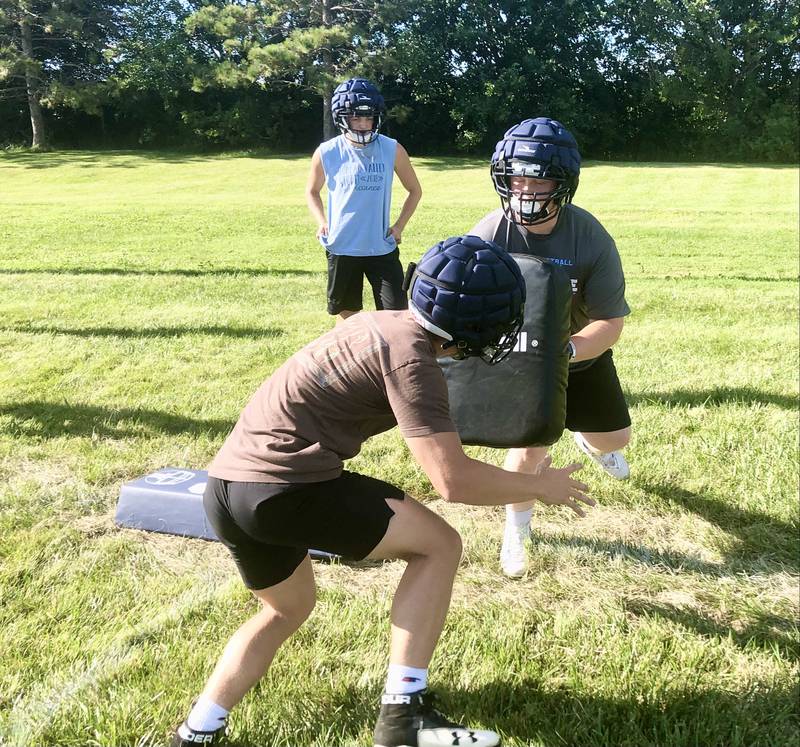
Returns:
(449, 546)
(525, 460)
(289, 614)
(622, 437)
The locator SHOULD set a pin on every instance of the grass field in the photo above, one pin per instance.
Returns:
(143, 297)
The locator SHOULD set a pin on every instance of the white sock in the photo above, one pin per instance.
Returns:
(206, 715)
(403, 680)
(518, 518)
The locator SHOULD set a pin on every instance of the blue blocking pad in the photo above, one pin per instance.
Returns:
(171, 501)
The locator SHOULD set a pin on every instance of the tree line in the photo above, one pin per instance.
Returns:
(633, 79)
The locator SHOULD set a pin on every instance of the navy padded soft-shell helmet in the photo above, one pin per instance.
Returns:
(540, 148)
(357, 97)
(470, 292)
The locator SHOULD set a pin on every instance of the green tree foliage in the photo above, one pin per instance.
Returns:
(153, 59)
(734, 68)
(51, 54)
(497, 61)
(282, 44)
(658, 79)
(153, 52)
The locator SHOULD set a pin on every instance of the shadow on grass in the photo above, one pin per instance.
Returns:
(154, 332)
(453, 163)
(761, 537)
(672, 561)
(92, 158)
(40, 419)
(703, 716)
(768, 632)
(523, 711)
(765, 543)
(687, 165)
(249, 271)
(714, 397)
(106, 159)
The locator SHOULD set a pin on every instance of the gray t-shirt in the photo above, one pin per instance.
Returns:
(583, 248)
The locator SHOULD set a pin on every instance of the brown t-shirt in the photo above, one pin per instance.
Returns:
(365, 376)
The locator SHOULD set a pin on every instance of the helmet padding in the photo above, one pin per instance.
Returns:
(357, 97)
(540, 148)
(473, 291)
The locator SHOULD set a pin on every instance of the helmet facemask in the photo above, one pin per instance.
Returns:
(543, 149)
(529, 208)
(500, 350)
(493, 352)
(359, 137)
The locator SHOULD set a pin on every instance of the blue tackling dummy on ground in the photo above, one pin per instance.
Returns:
(171, 501)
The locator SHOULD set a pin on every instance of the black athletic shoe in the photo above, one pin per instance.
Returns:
(412, 721)
(186, 737)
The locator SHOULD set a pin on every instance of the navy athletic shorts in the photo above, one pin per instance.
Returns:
(595, 402)
(346, 282)
(269, 527)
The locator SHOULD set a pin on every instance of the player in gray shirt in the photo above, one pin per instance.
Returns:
(535, 170)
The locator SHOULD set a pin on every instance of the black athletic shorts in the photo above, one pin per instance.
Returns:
(346, 282)
(595, 402)
(269, 527)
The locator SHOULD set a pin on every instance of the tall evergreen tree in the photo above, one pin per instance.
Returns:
(51, 51)
(311, 44)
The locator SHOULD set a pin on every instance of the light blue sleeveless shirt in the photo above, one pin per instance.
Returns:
(359, 184)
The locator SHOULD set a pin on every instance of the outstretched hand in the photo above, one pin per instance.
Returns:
(555, 487)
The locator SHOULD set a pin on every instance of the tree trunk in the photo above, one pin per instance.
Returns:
(328, 130)
(31, 84)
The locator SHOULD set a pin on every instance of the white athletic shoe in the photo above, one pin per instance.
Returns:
(513, 555)
(612, 462)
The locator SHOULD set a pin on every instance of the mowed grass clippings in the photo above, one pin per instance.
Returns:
(145, 296)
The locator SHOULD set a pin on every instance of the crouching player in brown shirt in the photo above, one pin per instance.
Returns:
(277, 486)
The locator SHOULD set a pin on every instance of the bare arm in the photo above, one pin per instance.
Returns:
(596, 337)
(408, 178)
(460, 479)
(316, 178)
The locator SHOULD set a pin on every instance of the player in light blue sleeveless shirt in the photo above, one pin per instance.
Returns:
(358, 168)
(359, 181)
